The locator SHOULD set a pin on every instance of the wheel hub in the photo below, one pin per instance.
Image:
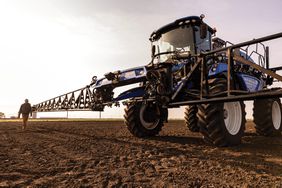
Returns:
(232, 113)
(276, 115)
(149, 116)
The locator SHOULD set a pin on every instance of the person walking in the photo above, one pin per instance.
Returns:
(25, 110)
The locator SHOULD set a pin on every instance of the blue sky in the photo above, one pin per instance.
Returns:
(49, 47)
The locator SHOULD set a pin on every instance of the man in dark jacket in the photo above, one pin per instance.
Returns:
(25, 110)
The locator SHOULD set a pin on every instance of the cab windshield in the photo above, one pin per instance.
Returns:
(182, 39)
(177, 40)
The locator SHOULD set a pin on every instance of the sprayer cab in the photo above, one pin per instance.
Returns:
(186, 35)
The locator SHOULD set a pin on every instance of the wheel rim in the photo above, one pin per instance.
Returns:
(232, 117)
(276, 115)
(149, 116)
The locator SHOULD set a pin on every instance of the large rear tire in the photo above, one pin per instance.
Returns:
(191, 119)
(268, 116)
(144, 120)
(222, 124)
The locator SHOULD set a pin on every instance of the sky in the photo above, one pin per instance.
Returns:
(50, 47)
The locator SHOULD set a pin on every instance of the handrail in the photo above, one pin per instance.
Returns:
(262, 39)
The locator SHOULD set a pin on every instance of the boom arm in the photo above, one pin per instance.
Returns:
(80, 99)
(96, 95)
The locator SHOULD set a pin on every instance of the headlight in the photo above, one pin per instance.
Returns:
(139, 72)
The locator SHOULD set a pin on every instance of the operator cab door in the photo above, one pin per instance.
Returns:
(202, 44)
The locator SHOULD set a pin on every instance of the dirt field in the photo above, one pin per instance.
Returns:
(104, 154)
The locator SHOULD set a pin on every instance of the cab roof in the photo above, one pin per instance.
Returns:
(182, 21)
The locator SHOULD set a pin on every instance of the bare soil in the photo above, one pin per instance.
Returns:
(105, 154)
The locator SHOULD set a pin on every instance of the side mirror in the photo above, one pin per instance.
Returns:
(153, 50)
(203, 30)
(94, 80)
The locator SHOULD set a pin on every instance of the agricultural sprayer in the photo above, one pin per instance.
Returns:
(190, 67)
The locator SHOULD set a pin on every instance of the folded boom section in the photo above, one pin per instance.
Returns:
(80, 99)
